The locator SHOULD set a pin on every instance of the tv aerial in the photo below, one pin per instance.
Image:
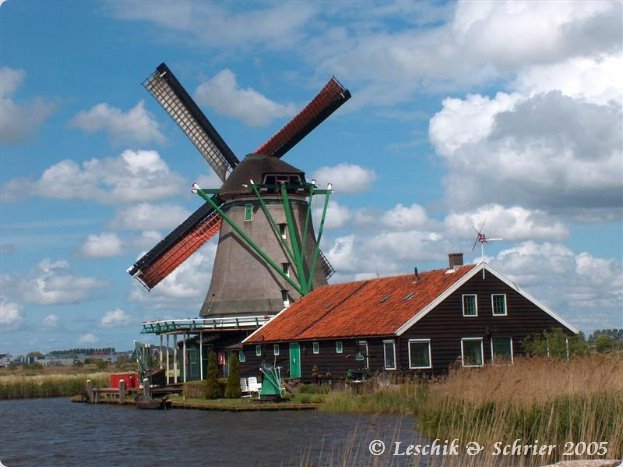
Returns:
(482, 239)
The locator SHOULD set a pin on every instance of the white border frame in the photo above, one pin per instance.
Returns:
(341, 349)
(493, 313)
(482, 352)
(430, 355)
(359, 344)
(258, 350)
(475, 304)
(493, 356)
(393, 343)
(315, 347)
(278, 350)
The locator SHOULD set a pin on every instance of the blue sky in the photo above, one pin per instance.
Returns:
(504, 111)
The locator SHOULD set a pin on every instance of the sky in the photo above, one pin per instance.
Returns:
(508, 113)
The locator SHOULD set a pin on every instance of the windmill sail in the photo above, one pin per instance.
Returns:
(328, 100)
(176, 247)
(172, 96)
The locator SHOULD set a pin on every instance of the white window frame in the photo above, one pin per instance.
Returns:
(482, 352)
(258, 350)
(285, 298)
(283, 229)
(242, 358)
(339, 347)
(493, 304)
(367, 360)
(276, 350)
(315, 347)
(393, 343)
(475, 304)
(430, 355)
(285, 267)
(493, 355)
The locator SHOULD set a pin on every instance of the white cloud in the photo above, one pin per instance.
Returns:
(137, 125)
(406, 217)
(548, 151)
(593, 79)
(131, 177)
(102, 245)
(223, 95)
(51, 283)
(346, 178)
(184, 288)
(147, 216)
(115, 318)
(586, 290)
(513, 223)
(222, 26)
(87, 338)
(50, 321)
(10, 314)
(18, 122)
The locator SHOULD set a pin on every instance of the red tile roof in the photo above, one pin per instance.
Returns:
(375, 307)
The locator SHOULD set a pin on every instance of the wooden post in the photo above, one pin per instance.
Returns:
(184, 362)
(146, 388)
(121, 391)
(160, 352)
(200, 356)
(175, 358)
(90, 397)
(168, 369)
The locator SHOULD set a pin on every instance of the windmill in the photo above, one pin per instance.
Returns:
(482, 239)
(268, 253)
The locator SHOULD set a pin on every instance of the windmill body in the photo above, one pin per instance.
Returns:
(268, 253)
(243, 284)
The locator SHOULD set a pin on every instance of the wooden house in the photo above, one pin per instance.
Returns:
(421, 323)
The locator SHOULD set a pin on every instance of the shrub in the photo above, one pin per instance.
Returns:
(212, 388)
(232, 390)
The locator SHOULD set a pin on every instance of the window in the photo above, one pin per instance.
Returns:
(470, 305)
(248, 212)
(316, 347)
(501, 350)
(241, 357)
(389, 352)
(258, 350)
(419, 353)
(498, 304)
(285, 298)
(275, 349)
(363, 353)
(471, 351)
(285, 267)
(282, 230)
(339, 348)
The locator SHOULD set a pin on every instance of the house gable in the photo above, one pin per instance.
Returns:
(483, 268)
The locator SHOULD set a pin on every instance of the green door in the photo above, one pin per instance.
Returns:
(295, 360)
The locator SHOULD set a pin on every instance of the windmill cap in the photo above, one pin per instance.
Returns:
(256, 167)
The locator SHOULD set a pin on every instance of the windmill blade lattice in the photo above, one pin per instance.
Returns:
(172, 96)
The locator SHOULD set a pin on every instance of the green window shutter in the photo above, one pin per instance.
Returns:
(248, 212)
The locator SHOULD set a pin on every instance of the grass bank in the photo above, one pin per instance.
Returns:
(552, 402)
(23, 386)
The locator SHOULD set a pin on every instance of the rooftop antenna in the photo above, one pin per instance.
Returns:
(482, 239)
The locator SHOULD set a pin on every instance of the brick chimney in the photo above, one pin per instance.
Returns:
(455, 259)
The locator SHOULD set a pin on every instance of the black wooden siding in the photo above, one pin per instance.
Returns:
(445, 326)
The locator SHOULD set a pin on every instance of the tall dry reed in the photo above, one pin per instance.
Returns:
(48, 385)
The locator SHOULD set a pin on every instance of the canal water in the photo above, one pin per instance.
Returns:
(57, 432)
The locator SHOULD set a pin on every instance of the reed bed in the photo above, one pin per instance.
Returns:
(573, 405)
(48, 385)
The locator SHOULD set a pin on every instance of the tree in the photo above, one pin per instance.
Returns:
(232, 390)
(603, 343)
(212, 388)
(555, 343)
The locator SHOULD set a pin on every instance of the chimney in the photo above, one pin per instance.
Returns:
(415, 275)
(454, 260)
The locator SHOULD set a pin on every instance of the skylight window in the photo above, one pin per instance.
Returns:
(385, 298)
(409, 296)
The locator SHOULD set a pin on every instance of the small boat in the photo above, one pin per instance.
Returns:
(143, 402)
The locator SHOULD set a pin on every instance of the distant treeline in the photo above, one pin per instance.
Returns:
(74, 352)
